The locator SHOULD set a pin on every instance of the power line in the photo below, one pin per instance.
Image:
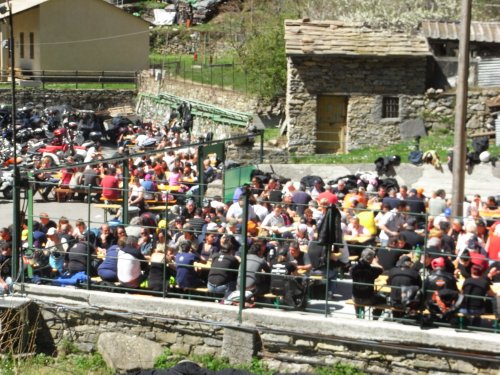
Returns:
(93, 39)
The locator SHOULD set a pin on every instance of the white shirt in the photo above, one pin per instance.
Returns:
(128, 267)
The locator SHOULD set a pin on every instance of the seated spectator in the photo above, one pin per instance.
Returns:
(355, 229)
(223, 271)
(256, 282)
(475, 288)
(136, 197)
(105, 238)
(364, 273)
(150, 187)
(299, 258)
(77, 256)
(108, 269)
(286, 282)
(186, 276)
(146, 243)
(5, 269)
(111, 185)
(405, 284)
(442, 296)
(161, 269)
(412, 238)
(209, 248)
(131, 263)
(55, 250)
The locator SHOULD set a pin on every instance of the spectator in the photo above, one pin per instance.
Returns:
(77, 258)
(405, 285)
(110, 185)
(256, 282)
(5, 269)
(108, 269)
(392, 223)
(131, 264)
(186, 276)
(223, 271)
(364, 273)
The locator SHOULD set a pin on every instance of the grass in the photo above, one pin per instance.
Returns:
(256, 366)
(222, 71)
(74, 363)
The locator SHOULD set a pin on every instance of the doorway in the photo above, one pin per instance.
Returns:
(331, 129)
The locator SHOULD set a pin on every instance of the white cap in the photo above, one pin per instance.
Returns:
(212, 227)
(51, 231)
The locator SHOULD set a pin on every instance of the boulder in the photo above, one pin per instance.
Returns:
(126, 353)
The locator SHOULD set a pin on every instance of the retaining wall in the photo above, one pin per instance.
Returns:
(287, 341)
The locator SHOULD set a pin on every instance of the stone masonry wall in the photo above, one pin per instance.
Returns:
(216, 96)
(283, 352)
(287, 341)
(365, 83)
(80, 99)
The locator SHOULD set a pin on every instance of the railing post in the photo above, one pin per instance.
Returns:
(244, 247)
(262, 146)
(126, 177)
(222, 75)
(76, 80)
(43, 79)
(102, 80)
(88, 239)
(30, 229)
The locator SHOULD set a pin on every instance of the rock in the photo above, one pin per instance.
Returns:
(125, 353)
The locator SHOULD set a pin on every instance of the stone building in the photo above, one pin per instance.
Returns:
(351, 85)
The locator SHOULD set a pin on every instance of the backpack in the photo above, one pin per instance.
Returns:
(415, 157)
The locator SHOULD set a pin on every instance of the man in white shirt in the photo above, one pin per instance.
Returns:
(131, 263)
(392, 223)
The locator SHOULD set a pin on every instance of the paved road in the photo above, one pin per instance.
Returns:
(72, 210)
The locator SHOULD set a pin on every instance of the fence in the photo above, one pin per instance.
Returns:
(228, 75)
(332, 278)
(73, 78)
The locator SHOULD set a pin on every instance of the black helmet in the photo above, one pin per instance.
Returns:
(95, 136)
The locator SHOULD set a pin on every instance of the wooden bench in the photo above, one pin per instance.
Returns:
(492, 318)
(63, 193)
(360, 308)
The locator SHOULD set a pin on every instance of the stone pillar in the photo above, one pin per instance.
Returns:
(240, 345)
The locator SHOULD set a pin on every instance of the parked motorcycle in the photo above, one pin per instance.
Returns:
(6, 183)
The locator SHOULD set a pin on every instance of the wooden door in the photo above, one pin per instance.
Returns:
(331, 129)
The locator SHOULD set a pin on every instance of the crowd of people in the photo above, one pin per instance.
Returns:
(398, 232)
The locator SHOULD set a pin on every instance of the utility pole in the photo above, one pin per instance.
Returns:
(459, 149)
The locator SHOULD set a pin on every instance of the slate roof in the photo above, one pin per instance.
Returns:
(479, 31)
(305, 37)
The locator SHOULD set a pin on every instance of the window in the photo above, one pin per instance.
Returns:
(21, 45)
(390, 107)
(32, 45)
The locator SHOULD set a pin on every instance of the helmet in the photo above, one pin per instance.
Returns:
(485, 156)
(95, 136)
(59, 132)
(39, 133)
(72, 125)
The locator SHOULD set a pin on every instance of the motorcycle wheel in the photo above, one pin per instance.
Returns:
(7, 192)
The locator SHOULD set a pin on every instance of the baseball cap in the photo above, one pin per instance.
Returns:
(212, 227)
(438, 263)
(51, 231)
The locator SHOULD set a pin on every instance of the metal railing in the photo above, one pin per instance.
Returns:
(73, 78)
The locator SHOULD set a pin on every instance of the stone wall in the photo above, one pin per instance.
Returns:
(364, 82)
(286, 341)
(214, 95)
(80, 99)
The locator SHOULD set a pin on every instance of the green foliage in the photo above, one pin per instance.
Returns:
(166, 360)
(338, 369)
(88, 363)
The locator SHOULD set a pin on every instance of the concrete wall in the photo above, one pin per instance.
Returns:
(287, 341)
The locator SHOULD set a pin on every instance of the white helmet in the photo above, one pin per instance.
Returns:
(484, 156)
